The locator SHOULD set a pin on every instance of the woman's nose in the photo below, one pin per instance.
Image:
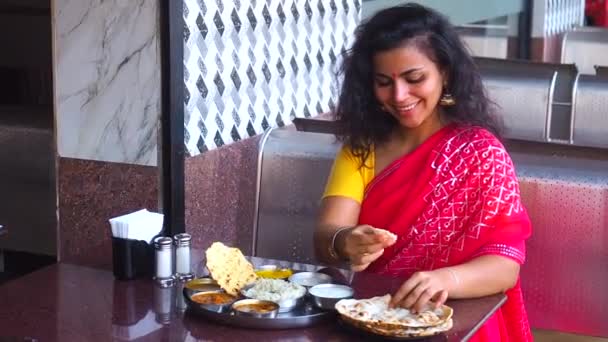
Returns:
(400, 91)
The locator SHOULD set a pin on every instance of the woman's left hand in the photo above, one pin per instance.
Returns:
(423, 287)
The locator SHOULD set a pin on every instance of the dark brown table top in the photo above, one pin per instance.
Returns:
(66, 302)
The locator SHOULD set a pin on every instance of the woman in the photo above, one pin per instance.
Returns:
(421, 160)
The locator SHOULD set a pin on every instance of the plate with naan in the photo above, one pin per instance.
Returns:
(373, 315)
(236, 295)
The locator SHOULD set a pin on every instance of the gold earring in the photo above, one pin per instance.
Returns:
(447, 99)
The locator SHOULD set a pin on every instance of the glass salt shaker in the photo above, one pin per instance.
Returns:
(163, 303)
(183, 270)
(163, 257)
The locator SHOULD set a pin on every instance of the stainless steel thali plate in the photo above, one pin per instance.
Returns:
(300, 316)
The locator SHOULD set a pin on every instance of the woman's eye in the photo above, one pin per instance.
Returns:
(382, 83)
(416, 79)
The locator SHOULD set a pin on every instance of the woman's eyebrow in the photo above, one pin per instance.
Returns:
(404, 73)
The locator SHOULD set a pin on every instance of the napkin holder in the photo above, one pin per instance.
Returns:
(132, 259)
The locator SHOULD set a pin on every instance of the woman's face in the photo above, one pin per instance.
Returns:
(408, 85)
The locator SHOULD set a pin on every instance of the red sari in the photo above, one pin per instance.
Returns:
(452, 199)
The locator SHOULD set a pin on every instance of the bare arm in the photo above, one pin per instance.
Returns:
(335, 212)
(359, 244)
(482, 276)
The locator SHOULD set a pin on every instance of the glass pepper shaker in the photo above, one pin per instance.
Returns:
(163, 257)
(183, 270)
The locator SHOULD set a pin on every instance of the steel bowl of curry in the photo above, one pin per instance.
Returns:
(217, 301)
(273, 272)
(202, 285)
(256, 308)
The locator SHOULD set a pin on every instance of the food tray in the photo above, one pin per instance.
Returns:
(301, 316)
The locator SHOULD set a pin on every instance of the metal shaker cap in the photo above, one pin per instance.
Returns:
(182, 239)
(163, 242)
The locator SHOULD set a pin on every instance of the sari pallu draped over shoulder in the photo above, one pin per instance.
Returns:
(454, 198)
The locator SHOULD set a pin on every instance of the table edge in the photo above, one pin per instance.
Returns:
(485, 318)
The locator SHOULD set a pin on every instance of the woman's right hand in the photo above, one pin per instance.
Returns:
(363, 244)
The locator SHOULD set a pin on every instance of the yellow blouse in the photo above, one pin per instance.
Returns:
(347, 178)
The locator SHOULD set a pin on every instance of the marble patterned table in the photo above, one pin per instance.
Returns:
(65, 302)
(3, 231)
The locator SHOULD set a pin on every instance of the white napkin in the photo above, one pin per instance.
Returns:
(139, 225)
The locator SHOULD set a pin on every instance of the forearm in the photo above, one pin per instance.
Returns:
(482, 276)
(334, 214)
(332, 237)
(322, 241)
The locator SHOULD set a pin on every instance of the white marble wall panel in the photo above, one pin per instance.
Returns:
(107, 79)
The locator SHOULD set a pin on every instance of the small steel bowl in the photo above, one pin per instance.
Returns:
(273, 272)
(287, 305)
(310, 279)
(223, 307)
(325, 296)
(255, 308)
(202, 285)
(266, 267)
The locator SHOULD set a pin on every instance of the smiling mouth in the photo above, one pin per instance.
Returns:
(406, 108)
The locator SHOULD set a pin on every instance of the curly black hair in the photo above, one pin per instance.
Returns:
(361, 121)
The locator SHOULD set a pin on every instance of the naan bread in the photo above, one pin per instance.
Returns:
(229, 268)
(400, 332)
(374, 312)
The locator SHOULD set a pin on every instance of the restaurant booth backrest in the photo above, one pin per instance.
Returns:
(534, 99)
(564, 187)
(586, 47)
(292, 168)
(590, 111)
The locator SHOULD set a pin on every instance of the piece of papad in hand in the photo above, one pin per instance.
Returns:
(375, 313)
(228, 266)
(386, 233)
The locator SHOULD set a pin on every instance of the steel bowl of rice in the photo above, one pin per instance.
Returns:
(284, 293)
